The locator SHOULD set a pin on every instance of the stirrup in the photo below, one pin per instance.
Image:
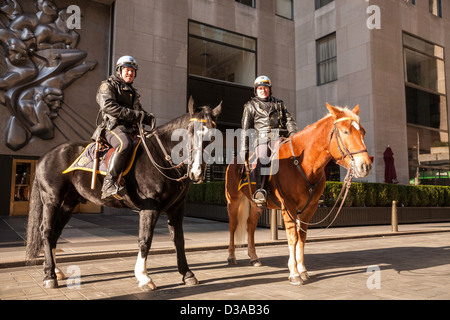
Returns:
(117, 193)
(260, 197)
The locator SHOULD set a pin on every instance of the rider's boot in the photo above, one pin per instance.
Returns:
(111, 187)
(260, 195)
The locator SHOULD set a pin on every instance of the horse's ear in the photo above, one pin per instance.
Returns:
(330, 107)
(216, 111)
(356, 110)
(335, 112)
(191, 106)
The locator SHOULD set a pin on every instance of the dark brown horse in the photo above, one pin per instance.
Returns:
(299, 183)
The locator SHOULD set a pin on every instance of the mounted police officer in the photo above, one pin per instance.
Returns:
(121, 111)
(266, 115)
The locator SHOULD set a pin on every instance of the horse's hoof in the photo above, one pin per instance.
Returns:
(256, 263)
(191, 281)
(59, 274)
(295, 280)
(232, 262)
(304, 276)
(150, 286)
(51, 284)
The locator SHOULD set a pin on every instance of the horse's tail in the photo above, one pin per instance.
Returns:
(242, 217)
(34, 240)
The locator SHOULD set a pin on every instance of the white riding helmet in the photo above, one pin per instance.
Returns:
(262, 81)
(126, 61)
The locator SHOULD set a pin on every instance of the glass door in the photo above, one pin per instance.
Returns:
(22, 179)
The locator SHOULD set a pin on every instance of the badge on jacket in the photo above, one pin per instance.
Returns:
(104, 87)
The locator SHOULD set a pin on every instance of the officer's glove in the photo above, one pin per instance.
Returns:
(148, 118)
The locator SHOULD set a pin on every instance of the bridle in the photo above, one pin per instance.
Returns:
(343, 150)
(197, 148)
(161, 169)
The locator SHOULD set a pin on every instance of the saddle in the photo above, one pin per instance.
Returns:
(86, 159)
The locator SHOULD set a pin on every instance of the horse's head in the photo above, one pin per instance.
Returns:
(202, 121)
(347, 145)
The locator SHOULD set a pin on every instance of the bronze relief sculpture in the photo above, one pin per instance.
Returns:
(40, 60)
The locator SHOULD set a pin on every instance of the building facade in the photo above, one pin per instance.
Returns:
(390, 57)
(387, 56)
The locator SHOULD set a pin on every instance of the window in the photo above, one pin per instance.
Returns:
(321, 3)
(326, 59)
(436, 7)
(250, 3)
(221, 67)
(426, 107)
(285, 8)
(222, 55)
(411, 1)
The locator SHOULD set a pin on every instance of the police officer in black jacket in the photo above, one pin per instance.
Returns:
(121, 111)
(264, 113)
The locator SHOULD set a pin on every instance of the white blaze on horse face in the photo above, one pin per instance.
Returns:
(197, 150)
(361, 168)
(357, 127)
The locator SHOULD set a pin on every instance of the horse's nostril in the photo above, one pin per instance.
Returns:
(366, 167)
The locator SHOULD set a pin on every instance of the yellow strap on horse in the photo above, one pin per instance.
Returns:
(201, 120)
(343, 119)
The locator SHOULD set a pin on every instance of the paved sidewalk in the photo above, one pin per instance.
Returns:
(100, 236)
(406, 267)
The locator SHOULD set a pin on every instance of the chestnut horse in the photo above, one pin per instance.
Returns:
(299, 183)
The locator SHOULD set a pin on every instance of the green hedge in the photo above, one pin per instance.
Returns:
(360, 194)
(210, 192)
(382, 195)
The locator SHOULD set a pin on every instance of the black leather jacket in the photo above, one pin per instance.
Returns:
(120, 105)
(264, 117)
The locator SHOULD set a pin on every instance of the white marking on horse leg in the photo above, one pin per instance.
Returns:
(140, 271)
(299, 257)
(300, 253)
(292, 264)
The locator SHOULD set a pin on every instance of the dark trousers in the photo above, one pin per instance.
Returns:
(123, 144)
(262, 168)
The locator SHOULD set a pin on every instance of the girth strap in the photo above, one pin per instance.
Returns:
(311, 188)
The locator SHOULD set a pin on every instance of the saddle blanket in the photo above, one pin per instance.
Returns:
(85, 160)
(244, 181)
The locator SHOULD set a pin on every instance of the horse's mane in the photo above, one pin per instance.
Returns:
(347, 113)
(183, 120)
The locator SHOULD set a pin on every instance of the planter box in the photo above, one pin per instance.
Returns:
(349, 216)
